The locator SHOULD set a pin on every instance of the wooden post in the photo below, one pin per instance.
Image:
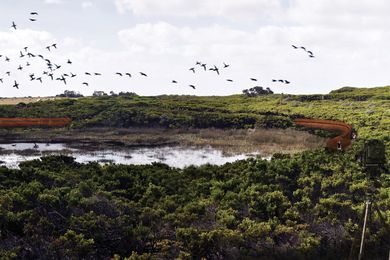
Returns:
(364, 230)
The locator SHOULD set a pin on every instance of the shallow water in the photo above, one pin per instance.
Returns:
(176, 156)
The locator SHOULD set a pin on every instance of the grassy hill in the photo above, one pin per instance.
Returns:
(303, 206)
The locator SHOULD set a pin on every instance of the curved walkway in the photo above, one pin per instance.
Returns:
(340, 142)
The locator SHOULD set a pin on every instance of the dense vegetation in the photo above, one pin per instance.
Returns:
(303, 206)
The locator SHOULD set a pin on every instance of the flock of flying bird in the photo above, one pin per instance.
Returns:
(52, 69)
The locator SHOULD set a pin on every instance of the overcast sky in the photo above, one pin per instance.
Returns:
(165, 38)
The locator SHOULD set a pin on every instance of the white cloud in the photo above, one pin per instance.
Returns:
(54, 1)
(228, 8)
(86, 4)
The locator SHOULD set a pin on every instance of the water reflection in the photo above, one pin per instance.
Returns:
(176, 156)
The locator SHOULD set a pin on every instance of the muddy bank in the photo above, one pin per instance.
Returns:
(233, 140)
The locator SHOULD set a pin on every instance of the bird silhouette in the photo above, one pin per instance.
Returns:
(225, 65)
(30, 55)
(204, 66)
(16, 85)
(174, 81)
(32, 20)
(86, 84)
(87, 73)
(48, 48)
(40, 56)
(216, 69)
(72, 75)
(69, 61)
(54, 45)
(25, 49)
(128, 74)
(253, 79)
(230, 80)
(295, 47)
(192, 86)
(143, 74)
(198, 63)
(13, 25)
(7, 59)
(20, 67)
(274, 80)
(34, 13)
(287, 82)
(21, 54)
(39, 79)
(311, 56)
(51, 76)
(97, 74)
(303, 48)
(28, 64)
(1, 80)
(310, 52)
(57, 66)
(192, 69)
(8, 73)
(118, 73)
(281, 80)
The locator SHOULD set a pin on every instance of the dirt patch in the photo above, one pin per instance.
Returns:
(26, 100)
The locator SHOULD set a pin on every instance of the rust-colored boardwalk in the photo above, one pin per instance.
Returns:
(34, 122)
(344, 138)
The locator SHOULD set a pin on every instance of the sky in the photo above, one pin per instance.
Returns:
(164, 39)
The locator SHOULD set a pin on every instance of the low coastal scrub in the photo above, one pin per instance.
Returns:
(302, 206)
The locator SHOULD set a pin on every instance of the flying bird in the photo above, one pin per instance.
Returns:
(34, 13)
(25, 49)
(128, 74)
(225, 65)
(8, 73)
(253, 79)
(21, 54)
(295, 47)
(118, 73)
(143, 74)
(16, 85)
(204, 66)
(216, 69)
(87, 73)
(48, 48)
(32, 20)
(39, 79)
(287, 82)
(69, 61)
(13, 25)
(20, 67)
(303, 48)
(192, 86)
(97, 74)
(1, 80)
(174, 81)
(192, 69)
(54, 45)
(86, 84)
(7, 59)
(72, 75)
(230, 80)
